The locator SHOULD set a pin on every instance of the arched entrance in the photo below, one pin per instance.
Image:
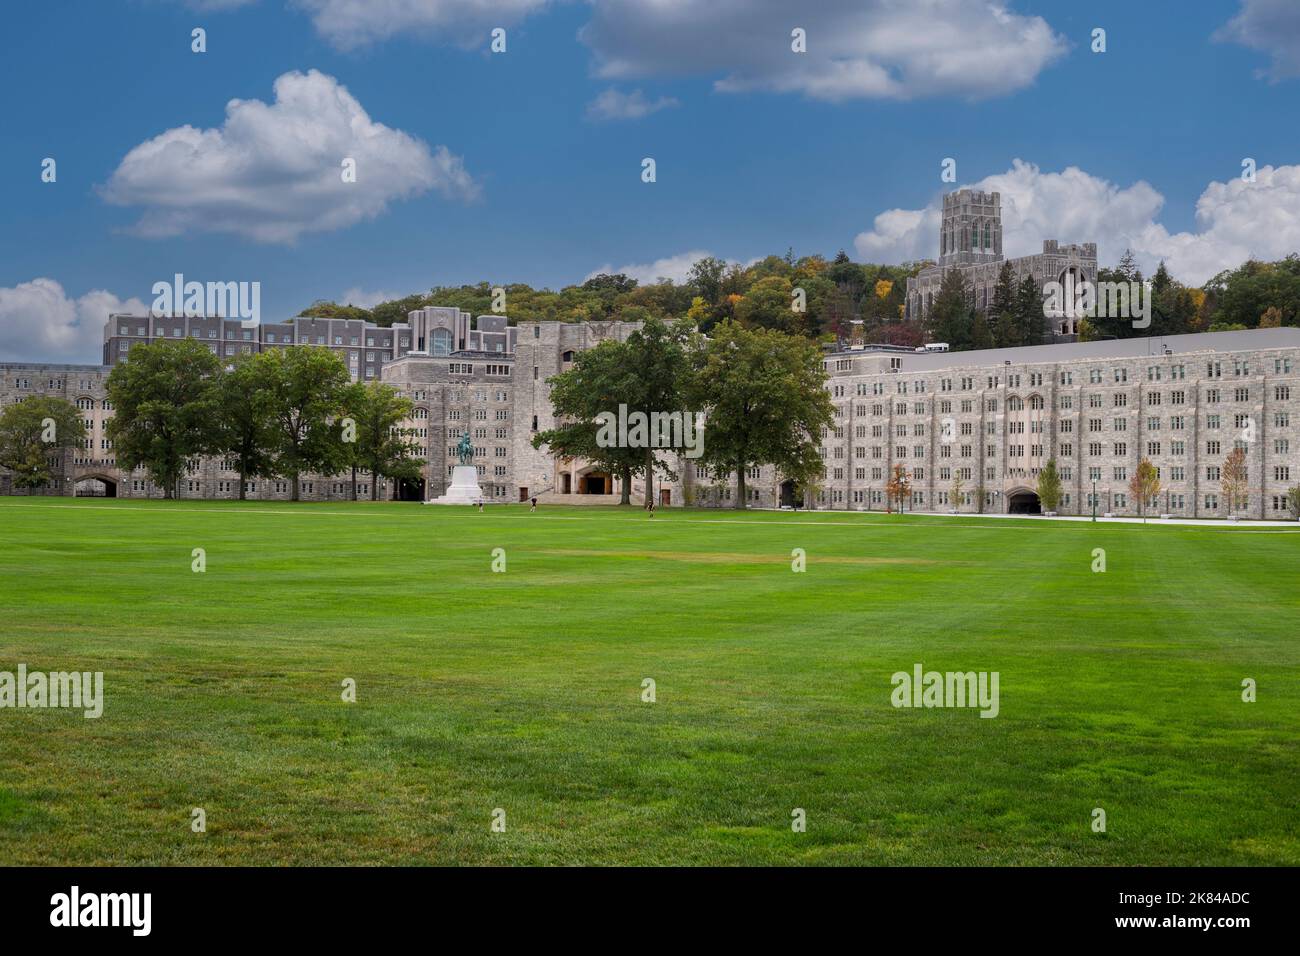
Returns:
(1024, 502)
(95, 486)
(790, 496)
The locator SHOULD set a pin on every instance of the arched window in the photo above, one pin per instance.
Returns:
(1036, 402)
(441, 342)
(421, 414)
(988, 235)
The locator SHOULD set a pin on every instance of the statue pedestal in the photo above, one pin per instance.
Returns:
(464, 489)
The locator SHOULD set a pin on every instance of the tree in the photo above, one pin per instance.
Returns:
(949, 319)
(34, 431)
(705, 279)
(980, 336)
(764, 394)
(898, 488)
(1029, 311)
(660, 363)
(1144, 485)
(1007, 331)
(244, 432)
(166, 409)
(1293, 501)
(1049, 486)
(956, 489)
(304, 388)
(379, 445)
(767, 304)
(1232, 481)
(1004, 293)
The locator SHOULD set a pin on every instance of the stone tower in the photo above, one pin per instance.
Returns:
(971, 233)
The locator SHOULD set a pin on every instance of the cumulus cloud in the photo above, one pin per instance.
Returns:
(350, 24)
(1271, 26)
(613, 104)
(39, 322)
(273, 172)
(1236, 220)
(895, 49)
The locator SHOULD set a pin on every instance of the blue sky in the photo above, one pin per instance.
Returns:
(753, 154)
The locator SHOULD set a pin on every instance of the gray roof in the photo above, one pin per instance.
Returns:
(1243, 341)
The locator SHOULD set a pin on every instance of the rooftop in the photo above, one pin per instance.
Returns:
(1243, 341)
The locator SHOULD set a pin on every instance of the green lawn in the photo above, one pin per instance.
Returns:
(522, 690)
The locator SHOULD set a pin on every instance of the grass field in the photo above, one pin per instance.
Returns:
(522, 690)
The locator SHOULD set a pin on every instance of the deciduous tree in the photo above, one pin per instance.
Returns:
(34, 431)
(764, 395)
(166, 408)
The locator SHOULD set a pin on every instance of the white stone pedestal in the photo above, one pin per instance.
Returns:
(464, 488)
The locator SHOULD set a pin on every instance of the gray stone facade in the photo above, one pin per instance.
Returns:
(995, 417)
(970, 240)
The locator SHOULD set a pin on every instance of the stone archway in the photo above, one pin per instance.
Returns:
(791, 496)
(97, 485)
(1023, 501)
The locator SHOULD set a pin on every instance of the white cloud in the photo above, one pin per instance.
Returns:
(1236, 220)
(40, 323)
(613, 104)
(364, 299)
(895, 49)
(273, 172)
(350, 24)
(1271, 26)
(676, 267)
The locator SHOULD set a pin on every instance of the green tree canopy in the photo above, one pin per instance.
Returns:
(765, 398)
(166, 408)
(34, 431)
(304, 389)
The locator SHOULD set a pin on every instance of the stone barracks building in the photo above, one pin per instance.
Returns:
(991, 418)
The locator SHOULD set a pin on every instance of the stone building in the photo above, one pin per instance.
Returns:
(994, 418)
(990, 418)
(970, 240)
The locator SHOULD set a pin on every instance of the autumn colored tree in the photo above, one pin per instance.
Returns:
(1233, 479)
(899, 488)
(1144, 485)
